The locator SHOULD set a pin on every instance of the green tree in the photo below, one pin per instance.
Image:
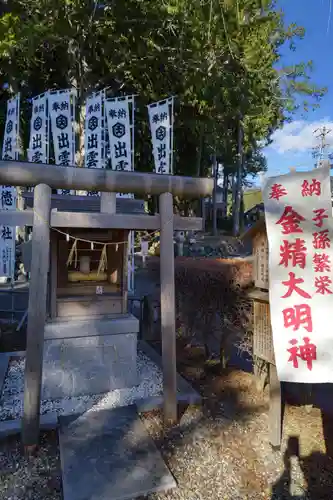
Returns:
(221, 59)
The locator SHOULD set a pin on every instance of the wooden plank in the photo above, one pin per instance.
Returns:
(16, 218)
(104, 221)
(95, 234)
(91, 307)
(120, 221)
(53, 275)
(36, 315)
(62, 274)
(259, 295)
(115, 258)
(188, 223)
(275, 408)
(108, 205)
(16, 173)
(262, 332)
(88, 203)
(168, 315)
(88, 288)
(147, 318)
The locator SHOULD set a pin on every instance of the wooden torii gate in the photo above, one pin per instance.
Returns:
(45, 177)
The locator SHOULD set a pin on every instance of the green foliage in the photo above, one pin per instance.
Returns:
(220, 58)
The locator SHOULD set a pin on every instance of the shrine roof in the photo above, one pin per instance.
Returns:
(74, 203)
(258, 227)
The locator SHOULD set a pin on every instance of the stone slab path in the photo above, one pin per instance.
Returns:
(109, 455)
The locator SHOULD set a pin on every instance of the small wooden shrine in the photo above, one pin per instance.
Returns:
(80, 336)
(89, 271)
(263, 349)
(88, 268)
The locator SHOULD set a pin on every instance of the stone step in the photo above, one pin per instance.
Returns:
(87, 327)
(108, 454)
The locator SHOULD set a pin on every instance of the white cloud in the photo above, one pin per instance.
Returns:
(300, 136)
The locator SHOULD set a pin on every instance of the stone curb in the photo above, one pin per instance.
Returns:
(4, 362)
(186, 393)
(49, 421)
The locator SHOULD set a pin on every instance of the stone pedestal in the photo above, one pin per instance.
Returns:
(84, 357)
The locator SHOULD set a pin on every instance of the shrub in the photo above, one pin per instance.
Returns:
(211, 302)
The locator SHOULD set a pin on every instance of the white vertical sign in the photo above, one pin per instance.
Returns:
(298, 211)
(10, 146)
(93, 145)
(10, 151)
(62, 115)
(119, 113)
(118, 117)
(38, 151)
(161, 127)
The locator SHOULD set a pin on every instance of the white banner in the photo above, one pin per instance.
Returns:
(161, 127)
(7, 234)
(10, 151)
(119, 120)
(38, 151)
(298, 211)
(10, 146)
(93, 128)
(119, 113)
(62, 113)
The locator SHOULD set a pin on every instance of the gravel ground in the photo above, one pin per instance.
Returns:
(11, 403)
(222, 450)
(225, 456)
(35, 478)
(218, 451)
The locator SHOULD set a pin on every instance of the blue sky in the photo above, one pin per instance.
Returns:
(292, 145)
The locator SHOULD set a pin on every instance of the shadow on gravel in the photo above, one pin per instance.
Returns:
(317, 469)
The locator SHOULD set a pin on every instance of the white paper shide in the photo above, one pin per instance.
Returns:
(61, 110)
(10, 151)
(298, 215)
(161, 123)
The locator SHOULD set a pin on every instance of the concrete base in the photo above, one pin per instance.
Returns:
(112, 324)
(89, 356)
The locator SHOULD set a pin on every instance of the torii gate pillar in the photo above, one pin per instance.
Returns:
(168, 316)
